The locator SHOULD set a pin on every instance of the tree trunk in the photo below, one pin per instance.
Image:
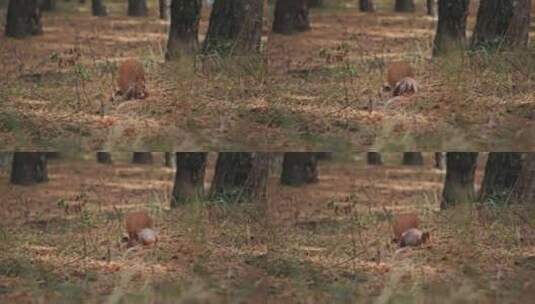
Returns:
(98, 8)
(163, 6)
(430, 6)
(315, 3)
(374, 158)
(459, 184)
(29, 168)
(235, 27)
(451, 28)
(404, 6)
(184, 28)
(291, 17)
(189, 178)
(23, 19)
(241, 176)
(501, 172)
(137, 8)
(299, 168)
(413, 159)
(366, 6)
(142, 158)
(47, 5)
(104, 158)
(501, 22)
(440, 161)
(168, 159)
(524, 190)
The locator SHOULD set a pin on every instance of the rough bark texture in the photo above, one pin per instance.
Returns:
(501, 173)
(291, 17)
(184, 28)
(235, 27)
(374, 158)
(299, 168)
(137, 8)
(404, 6)
(459, 184)
(413, 159)
(189, 177)
(104, 158)
(241, 176)
(98, 8)
(502, 23)
(366, 6)
(142, 158)
(23, 19)
(29, 168)
(451, 29)
(524, 190)
(163, 6)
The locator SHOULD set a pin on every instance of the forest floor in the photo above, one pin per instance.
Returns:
(320, 89)
(328, 242)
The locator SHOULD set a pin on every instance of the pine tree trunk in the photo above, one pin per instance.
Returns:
(299, 168)
(315, 3)
(451, 28)
(291, 17)
(137, 8)
(430, 6)
(413, 159)
(23, 19)
(374, 158)
(47, 5)
(104, 158)
(440, 161)
(501, 173)
(404, 6)
(366, 6)
(98, 8)
(189, 178)
(29, 168)
(524, 190)
(240, 176)
(184, 28)
(502, 23)
(163, 6)
(142, 158)
(235, 27)
(459, 184)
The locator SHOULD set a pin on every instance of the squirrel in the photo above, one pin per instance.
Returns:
(139, 226)
(131, 80)
(406, 232)
(413, 237)
(400, 79)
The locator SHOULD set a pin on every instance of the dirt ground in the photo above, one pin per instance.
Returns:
(316, 90)
(324, 242)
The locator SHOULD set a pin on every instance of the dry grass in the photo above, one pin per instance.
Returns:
(327, 242)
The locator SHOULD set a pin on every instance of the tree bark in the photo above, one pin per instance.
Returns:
(404, 6)
(366, 6)
(23, 19)
(451, 29)
(413, 159)
(142, 158)
(315, 3)
(374, 158)
(104, 158)
(299, 168)
(163, 6)
(47, 5)
(459, 184)
(241, 176)
(137, 8)
(184, 28)
(189, 178)
(235, 27)
(524, 190)
(501, 173)
(291, 17)
(98, 8)
(502, 23)
(29, 168)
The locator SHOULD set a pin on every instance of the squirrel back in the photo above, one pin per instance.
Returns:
(404, 222)
(131, 80)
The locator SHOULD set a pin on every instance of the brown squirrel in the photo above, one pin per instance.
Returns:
(413, 237)
(139, 226)
(400, 79)
(406, 232)
(131, 80)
